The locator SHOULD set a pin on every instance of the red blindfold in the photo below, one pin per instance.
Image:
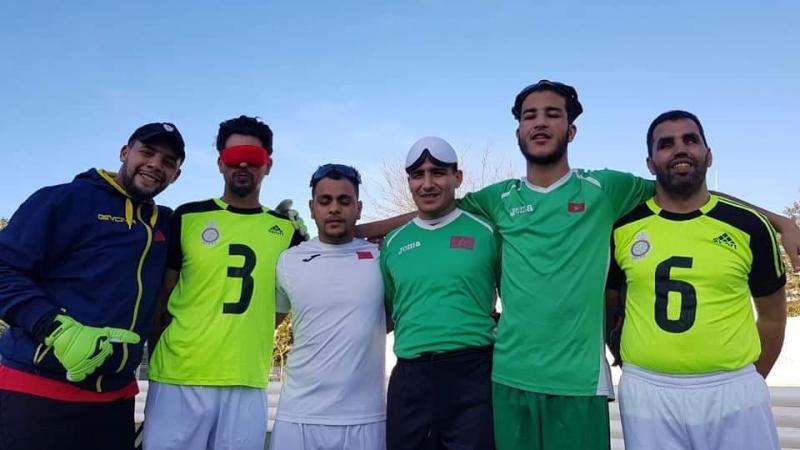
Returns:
(250, 154)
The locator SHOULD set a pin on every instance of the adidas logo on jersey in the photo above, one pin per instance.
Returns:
(276, 230)
(724, 239)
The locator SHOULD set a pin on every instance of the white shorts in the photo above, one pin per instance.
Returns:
(204, 418)
(303, 436)
(718, 411)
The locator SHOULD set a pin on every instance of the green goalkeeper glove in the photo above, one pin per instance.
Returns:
(285, 208)
(82, 349)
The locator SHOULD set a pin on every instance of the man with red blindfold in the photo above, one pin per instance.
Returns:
(210, 367)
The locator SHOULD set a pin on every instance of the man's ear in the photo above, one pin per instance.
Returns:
(359, 206)
(459, 178)
(571, 131)
(175, 178)
(650, 166)
(123, 153)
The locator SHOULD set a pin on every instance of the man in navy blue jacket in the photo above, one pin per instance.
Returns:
(80, 268)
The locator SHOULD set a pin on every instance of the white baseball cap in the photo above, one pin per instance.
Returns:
(434, 148)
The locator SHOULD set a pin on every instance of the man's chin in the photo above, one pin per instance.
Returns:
(242, 191)
(144, 193)
(543, 158)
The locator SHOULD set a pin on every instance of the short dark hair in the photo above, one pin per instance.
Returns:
(248, 126)
(570, 95)
(673, 115)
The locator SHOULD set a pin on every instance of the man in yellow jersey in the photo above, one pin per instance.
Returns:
(209, 368)
(694, 358)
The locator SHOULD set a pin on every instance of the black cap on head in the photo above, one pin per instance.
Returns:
(161, 132)
(574, 108)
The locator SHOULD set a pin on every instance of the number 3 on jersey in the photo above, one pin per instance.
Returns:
(664, 285)
(245, 273)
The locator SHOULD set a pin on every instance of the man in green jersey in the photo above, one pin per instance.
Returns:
(439, 274)
(694, 357)
(209, 368)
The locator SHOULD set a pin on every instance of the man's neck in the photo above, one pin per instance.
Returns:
(248, 202)
(335, 241)
(681, 204)
(437, 214)
(545, 175)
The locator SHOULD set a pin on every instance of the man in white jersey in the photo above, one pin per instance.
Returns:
(440, 278)
(333, 396)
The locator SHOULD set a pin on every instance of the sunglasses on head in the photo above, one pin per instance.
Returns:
(335, 169)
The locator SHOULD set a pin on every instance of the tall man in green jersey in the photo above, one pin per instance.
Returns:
(209, 368)
(439, 274)
(693, 356)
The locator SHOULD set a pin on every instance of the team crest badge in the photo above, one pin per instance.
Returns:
(641, 247)
(210, 234)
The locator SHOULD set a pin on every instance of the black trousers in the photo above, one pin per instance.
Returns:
(441, 402)
(28, 422)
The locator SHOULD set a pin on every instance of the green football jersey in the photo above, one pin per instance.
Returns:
(440, 283)
(555, 256)
(223, 307)
(689, 279)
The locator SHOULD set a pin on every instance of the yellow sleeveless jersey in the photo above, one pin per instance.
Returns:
(223, 307)
(689, 280)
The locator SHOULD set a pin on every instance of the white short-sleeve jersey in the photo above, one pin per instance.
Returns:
(335, 372)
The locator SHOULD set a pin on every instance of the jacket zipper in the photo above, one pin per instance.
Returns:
(139, 284)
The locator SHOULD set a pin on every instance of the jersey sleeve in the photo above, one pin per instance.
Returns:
(624, 190)
(483, 203)
(282, 303)
(615, 275)
(767, 273)
(174, 251)
(388, 283)
(297, 238)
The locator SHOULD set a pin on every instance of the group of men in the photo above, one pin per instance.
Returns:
(86, 266)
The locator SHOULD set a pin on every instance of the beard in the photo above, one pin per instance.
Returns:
(543, 160)
(683, 186)
(130, 186)
(242, 189)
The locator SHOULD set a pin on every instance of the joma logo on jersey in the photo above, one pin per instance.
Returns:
(110, 218)
(519, 210)
(408, 247)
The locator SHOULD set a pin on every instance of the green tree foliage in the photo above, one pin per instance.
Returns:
(283, 343)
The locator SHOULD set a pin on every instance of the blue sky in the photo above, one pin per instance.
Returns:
(359, 82)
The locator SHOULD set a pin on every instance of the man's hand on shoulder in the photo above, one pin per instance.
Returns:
(285, 208)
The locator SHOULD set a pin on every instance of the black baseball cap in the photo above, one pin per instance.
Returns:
(161, 131)
(574, 108)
